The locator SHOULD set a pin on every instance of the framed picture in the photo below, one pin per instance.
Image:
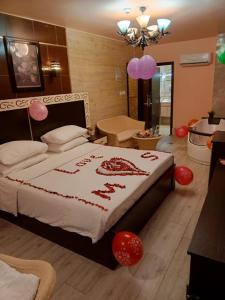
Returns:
(24, 63)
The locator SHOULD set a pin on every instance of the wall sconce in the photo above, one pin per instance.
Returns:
(53, 68)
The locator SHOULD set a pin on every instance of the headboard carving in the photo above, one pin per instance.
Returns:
(12, 104)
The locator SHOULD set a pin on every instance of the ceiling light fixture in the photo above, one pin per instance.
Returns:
(146, 35)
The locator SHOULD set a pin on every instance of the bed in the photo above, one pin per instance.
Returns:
(74, 198)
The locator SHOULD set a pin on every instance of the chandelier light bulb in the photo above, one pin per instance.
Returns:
(163, 24)
(123, 26)
(144, 35)
(153, 28)
(143, 20)
(153, 31)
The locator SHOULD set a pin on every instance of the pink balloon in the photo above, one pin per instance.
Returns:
(133, 68)
(38, 111)
(147, 67)
(150, 74)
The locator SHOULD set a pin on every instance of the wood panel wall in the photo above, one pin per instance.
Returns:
(98, 66)
(53, 48)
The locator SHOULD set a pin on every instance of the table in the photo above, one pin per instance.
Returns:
(218, 150)
(207, 248)
(146, 143)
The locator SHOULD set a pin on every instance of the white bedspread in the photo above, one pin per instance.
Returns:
(84, 190)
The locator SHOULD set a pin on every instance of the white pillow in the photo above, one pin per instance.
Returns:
(5, 170)
(63, 134)
(16, 151)
(69, 145)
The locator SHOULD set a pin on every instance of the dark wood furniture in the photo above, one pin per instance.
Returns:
(207, 248)
(59, 115)
(53, 47)
(14, 125)
(218, 150)
(133, 220)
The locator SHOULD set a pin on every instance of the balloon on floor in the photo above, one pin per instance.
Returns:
(38, 111)
(181, 131)
(185, 128)
(127, 248)
(183, 175)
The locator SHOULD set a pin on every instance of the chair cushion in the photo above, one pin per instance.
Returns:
(15, 285)
(126, 134)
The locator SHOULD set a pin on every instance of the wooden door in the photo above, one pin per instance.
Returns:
(149, 100)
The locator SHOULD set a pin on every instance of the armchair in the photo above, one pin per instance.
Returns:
(41, 269)
(119, 130)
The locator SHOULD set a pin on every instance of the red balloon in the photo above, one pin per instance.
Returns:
(181, 131)
(183, 175)
(38, 111)
(127, 248)
(185, 128)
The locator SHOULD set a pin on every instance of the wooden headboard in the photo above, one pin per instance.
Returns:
(14, 125)
(66, 109)
(71, 113)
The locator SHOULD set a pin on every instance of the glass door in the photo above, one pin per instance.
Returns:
(152, 100)
(166, 98)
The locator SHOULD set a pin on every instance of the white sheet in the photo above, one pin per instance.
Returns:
(8, 189)
(86, 213)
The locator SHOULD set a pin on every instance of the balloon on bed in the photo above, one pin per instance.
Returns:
(38, 111)
(127, 248)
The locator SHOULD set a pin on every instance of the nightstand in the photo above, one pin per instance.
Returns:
(98, 139)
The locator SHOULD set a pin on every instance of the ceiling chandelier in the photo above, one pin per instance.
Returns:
(146, 35)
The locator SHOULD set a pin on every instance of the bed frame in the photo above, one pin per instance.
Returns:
(133, 220)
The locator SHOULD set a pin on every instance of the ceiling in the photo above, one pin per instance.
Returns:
(191, 19)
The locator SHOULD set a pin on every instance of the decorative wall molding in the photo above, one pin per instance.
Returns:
(20, 103)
